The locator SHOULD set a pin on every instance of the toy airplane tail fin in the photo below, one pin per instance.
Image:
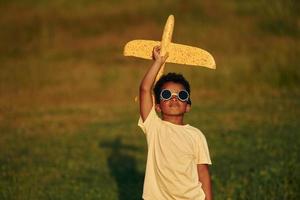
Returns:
(178, 53)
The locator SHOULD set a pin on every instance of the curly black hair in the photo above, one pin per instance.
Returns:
(170, 77)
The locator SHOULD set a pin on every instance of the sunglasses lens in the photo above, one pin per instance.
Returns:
(166, 94)
(183, 95)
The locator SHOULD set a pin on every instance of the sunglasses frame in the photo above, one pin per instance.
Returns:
(176, 94)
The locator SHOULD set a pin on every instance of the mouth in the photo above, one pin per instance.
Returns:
(174, 105)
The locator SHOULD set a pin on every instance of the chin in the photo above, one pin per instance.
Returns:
(173, 113)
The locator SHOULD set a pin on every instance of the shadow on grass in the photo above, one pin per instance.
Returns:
(123, 168)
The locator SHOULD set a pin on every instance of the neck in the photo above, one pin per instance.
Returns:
(178, 120)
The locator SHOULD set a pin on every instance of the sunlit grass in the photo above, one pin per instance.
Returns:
(67, 112)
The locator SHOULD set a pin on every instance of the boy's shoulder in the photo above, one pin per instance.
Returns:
(193, 128)
(195, 131)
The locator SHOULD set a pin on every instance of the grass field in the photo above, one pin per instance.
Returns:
(68, 121)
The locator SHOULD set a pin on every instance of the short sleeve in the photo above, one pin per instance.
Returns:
(201, 150)
(150, 122)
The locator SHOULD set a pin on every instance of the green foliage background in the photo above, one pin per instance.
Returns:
(67, 113)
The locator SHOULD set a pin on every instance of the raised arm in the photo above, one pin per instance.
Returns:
(148, 81)
(204, 178)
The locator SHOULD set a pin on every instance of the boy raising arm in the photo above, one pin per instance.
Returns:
(148, 81)
(164, 178)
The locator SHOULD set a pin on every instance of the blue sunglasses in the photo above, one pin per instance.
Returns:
(182, 95)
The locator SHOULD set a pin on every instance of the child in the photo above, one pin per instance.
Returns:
(178, 156)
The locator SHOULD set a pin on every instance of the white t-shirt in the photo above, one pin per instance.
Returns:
(173, 154)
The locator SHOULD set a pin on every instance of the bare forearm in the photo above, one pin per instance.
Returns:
(146, 101)
(148, 81)
(206, 185)
(149, 78)
(204, 178)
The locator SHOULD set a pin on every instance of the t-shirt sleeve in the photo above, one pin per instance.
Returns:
(150, 122)
(202, 152)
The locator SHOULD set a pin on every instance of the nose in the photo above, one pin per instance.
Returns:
(174, 98)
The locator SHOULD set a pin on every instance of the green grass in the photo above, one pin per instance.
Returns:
(68, 121)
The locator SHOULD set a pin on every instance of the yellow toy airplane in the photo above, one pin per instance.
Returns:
(178, 53)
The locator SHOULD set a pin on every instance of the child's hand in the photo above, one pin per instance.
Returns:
(157, 57)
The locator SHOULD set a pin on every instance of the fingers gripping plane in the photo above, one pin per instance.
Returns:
(178, 53)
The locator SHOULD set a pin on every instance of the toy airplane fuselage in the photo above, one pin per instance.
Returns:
(178, 53)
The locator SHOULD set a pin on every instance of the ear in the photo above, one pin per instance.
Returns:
(188, 108)
(157, 108)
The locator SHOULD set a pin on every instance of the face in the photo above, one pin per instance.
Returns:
(173, 107)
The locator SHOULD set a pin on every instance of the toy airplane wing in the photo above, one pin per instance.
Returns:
(178, 53)
(140, 48)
